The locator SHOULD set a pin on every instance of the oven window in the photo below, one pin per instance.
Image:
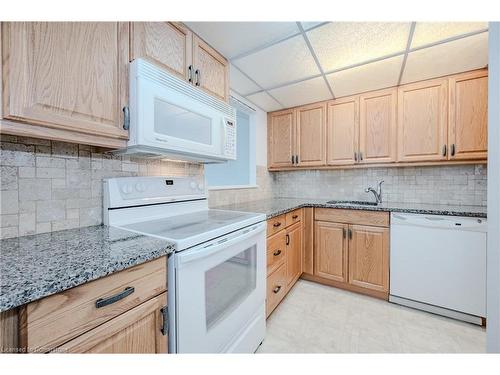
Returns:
(228, 284)
(178, 122)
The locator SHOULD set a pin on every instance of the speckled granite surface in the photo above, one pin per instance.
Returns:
(278, 206)
(37, 266)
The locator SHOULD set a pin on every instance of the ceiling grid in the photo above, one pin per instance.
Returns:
(284, 64)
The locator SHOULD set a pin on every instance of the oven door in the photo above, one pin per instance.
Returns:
(220, 294)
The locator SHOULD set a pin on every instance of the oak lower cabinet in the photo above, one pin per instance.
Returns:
(65, 81)
(351, 250)
(284, 256)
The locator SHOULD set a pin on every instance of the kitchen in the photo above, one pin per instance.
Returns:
(246, 187)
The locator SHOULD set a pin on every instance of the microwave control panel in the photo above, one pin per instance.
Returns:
(230, 141)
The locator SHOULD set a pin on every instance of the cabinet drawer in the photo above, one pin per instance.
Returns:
(275, 224)
(276, 250)
(338, 215)
(276, 288)
(293, 217)
(51, 321)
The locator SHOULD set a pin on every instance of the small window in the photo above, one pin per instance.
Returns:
(239, 173)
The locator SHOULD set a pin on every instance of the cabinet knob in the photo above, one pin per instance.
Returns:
(277, 224)
(277, 289)
(277, 252)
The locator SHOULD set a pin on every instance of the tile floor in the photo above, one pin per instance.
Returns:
(314, 318)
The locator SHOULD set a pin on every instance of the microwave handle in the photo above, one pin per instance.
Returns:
(219, 245)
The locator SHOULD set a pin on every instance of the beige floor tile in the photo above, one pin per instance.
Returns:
(315, 318)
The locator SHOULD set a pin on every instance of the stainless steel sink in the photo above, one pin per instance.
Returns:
(350, 203)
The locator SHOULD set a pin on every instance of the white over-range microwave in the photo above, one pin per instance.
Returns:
(170, 118)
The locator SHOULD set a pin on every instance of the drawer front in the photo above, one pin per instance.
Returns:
(276, 288)
(276, 250)
(293, 217)
(275, 224)
(338, 215)
(51, 321)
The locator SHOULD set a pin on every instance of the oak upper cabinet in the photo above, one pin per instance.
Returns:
(369, 257)
(281, 134)
(310, 135)
(139, 330)
(293, 253)
(342, 131)
(211, 69)
(168, 44)
(422, 121)
(468, 116)
(330, 250)
(66, 80)
(377, 127)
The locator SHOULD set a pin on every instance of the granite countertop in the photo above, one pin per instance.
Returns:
(278, 206)
(33, 267)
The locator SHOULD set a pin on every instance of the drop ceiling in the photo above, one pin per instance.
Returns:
(277, 65)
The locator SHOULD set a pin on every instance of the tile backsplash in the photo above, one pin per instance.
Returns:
(48, 185)
(454, 185)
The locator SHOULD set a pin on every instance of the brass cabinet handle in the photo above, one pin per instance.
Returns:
(445, 150)
(101, 302)
(277, 252)
(276, 225)
(277, 289)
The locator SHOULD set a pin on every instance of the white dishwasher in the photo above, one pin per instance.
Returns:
(438, 264)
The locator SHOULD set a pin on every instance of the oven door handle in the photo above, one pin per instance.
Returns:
(220, 244)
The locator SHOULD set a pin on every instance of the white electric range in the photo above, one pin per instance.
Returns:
(217, 275)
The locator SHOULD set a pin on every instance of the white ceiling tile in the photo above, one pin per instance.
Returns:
(448, 58)
(342, 44)
(240, 83)
(308, 25)
(264, 101)
(234, 38)
(281, 63)
(431, 32)
(310, 91)
(373, 76)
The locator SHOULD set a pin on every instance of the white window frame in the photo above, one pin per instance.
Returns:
(251, 112)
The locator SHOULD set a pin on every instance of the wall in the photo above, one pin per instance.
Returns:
(493, 256)
(455, 185)
(48, 186)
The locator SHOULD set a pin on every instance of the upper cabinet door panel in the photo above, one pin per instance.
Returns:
(377, 129)
(165, 43)
(280, 138)
(342, 131)
(311, 140)
(211, 69)
(468, 128)
(422, 121)
(66, 75)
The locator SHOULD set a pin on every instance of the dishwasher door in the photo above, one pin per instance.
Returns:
(439, 261)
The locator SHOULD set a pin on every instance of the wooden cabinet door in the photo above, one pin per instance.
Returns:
(67, 76)
(211, 69)
(293, 253)
(369, 257)
(310, 133)
(138, 330)
(280, 136)
(377, 126)
(342, 131)
(330, 250)
(166, 43)
(422, 121)
(468, 127)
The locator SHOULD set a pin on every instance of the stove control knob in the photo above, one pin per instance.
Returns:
(127, 189)
(192, 185)
(140, 187)
(201, 187)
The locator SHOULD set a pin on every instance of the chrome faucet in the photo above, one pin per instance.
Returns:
(377, 193)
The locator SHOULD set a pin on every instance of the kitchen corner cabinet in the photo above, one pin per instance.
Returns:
(468, 116)
(284, 256)
(351, 250)
(65, 80)
(422, 121)
(168, 44)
